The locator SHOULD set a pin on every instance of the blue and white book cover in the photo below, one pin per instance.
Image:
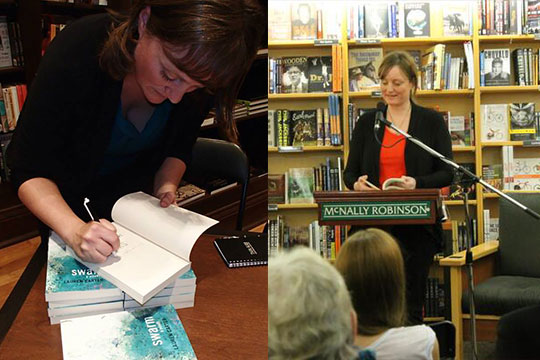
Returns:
(69, 279)
(153, 333)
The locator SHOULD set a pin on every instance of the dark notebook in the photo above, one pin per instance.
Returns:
(245, 250)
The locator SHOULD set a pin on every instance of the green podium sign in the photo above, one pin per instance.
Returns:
(378, 207)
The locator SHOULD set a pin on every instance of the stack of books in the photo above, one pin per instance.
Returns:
(73, 290)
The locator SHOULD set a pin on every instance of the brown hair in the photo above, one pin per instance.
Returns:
(372, 266)
(404, 62)
(221, 38)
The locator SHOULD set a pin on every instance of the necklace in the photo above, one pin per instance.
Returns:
(403, 119)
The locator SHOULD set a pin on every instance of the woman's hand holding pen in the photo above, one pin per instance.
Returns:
(95, 241)
(362, 184)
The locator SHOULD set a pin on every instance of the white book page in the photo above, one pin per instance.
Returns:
(173, 228)
(140, 268)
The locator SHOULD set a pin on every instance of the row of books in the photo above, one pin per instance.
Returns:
(367, 19)
(325, 240)
(301, 74)
(73, 290)
(519, 173)
(434, 300)
(11, 102)
(502, 17)
(11, 49)
(5, 174)
(440, 70)
(496, 69)
(296, 186)
(461, 128)
(459, 235)
(316, 127)
(514, 121)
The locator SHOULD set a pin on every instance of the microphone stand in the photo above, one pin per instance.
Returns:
(473, 179)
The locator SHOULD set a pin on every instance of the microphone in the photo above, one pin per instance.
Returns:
(379, 116)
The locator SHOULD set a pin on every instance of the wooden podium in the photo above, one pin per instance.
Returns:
(419, 206)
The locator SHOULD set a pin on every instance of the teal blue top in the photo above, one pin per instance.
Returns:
(127, 141)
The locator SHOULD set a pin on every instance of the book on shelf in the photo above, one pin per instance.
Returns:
(457, 18)
(494, 122)
(461, 129)
(376, 24)
(300, 185)
(294, 74)
(533, 16)
(272, 131)
(363, 65)
(244, 250)
(303, 21)
(279, 20)
(320, 74)
(522, 121)
(155, 245)
(5, 46)
(332, 14)
(187, 193)
(276, 188)
(416, 18)
(496, 65)
(5, 140)
(493, 175)
(304, 127)
(456, 188)
(153, 333)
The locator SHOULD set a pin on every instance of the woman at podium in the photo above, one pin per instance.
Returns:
(377, 153)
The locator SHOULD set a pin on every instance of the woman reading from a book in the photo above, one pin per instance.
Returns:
(117, 104)
(370, 161)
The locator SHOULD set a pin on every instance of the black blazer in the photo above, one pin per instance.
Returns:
(65, 125)
(427, 126)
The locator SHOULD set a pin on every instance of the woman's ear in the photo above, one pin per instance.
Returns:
(144, 15)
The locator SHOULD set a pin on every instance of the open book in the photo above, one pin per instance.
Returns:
(155, 245)
(393, 184)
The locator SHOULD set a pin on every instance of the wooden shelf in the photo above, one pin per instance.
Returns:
(505, 89)
(433, 319)
(291, 44)
(502, 143)
(463, 149)
(77, 8)
(11, 69)
(298, 96)
(458, 202)
(420, 93)
(490, 195)
(410, 41)
(274, 149)
(505, 38)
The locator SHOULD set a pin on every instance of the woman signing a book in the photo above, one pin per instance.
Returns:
(380, 154)
(116, 107)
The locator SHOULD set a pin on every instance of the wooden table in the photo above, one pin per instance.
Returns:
(229, 320)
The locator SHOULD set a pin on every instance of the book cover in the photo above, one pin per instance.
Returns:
(300, 185)
(304, 127)
(393, 184)
(69, 280)
(245, 250)
(497, 67)
(188, 192)
(303, 21)
(493, 175)
(456, 19)
(279, 21)
(460, 130)
(319, 74)
(416, 19)
(272, 131)
(153, 333)
(494, 122)
(522, 121)
(363, 65)
(150, 255)
(533, 16)
(456, 189)
(376, 20)
(276, 188)
(294, 74)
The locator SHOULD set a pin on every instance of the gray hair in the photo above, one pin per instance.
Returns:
(309, 309)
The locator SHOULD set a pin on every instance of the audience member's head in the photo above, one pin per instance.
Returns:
(372, 266)
(309, 310)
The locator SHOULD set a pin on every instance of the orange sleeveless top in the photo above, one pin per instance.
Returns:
(392, 160)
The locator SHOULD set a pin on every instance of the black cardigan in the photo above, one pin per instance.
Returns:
(427, 126)
(65, 125)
